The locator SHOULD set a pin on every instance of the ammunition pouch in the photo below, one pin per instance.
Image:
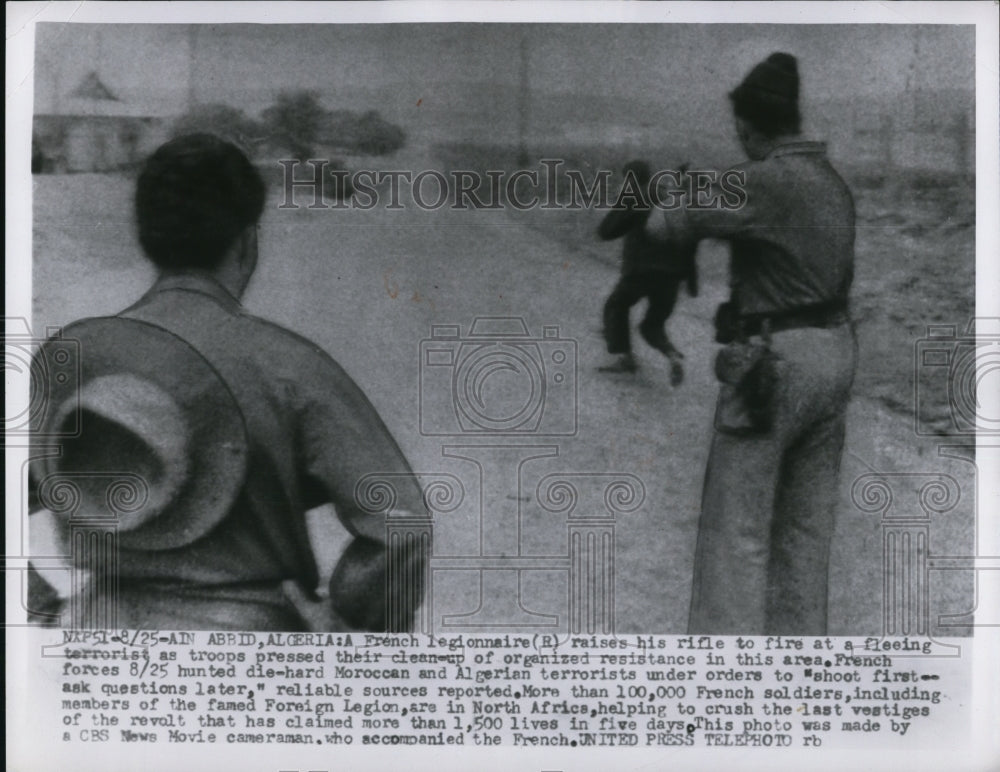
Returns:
(748, 373)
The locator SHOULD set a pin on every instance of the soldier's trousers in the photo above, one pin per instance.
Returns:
(768, 506)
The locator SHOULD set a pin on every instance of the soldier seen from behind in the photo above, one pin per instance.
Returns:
(228, 427)
(771, 484)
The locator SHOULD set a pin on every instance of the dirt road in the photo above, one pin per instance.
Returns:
(367, 286)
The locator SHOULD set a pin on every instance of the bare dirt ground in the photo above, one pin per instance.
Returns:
(367, 286)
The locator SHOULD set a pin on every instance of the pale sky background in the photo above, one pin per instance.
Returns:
(246, 65)
(639, 60)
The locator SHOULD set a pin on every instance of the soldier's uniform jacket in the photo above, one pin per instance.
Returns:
(793, 239)
(313, 435)
(771, 485)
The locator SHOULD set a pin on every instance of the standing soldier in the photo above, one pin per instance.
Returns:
(235, 426)
(653, 267)
(767, 513)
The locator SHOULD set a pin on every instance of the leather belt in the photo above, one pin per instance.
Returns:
(831, 314)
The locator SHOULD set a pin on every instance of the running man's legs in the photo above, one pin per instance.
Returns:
(627, 292)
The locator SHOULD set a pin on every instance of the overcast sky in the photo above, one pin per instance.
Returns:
(642, 60)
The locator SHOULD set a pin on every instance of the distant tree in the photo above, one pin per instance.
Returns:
(367, 133)
(341, 128)
(225, 121)
(376, 136)
(296, 120)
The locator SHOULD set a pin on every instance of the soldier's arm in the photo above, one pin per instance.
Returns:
(342, 439)
(721, 205)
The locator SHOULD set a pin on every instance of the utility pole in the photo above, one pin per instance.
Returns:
(58, 61)
(99, 55)
(192, 55)
(522, 104)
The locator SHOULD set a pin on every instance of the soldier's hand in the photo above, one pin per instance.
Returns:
(317, 612)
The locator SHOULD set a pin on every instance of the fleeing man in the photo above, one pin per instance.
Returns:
(653, 267)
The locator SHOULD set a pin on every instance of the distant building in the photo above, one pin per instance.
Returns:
(92, 130)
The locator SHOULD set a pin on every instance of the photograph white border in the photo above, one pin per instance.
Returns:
(983, 743)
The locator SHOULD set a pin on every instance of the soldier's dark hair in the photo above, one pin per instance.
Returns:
(195, 195)
(768, 98)
(770, 118)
